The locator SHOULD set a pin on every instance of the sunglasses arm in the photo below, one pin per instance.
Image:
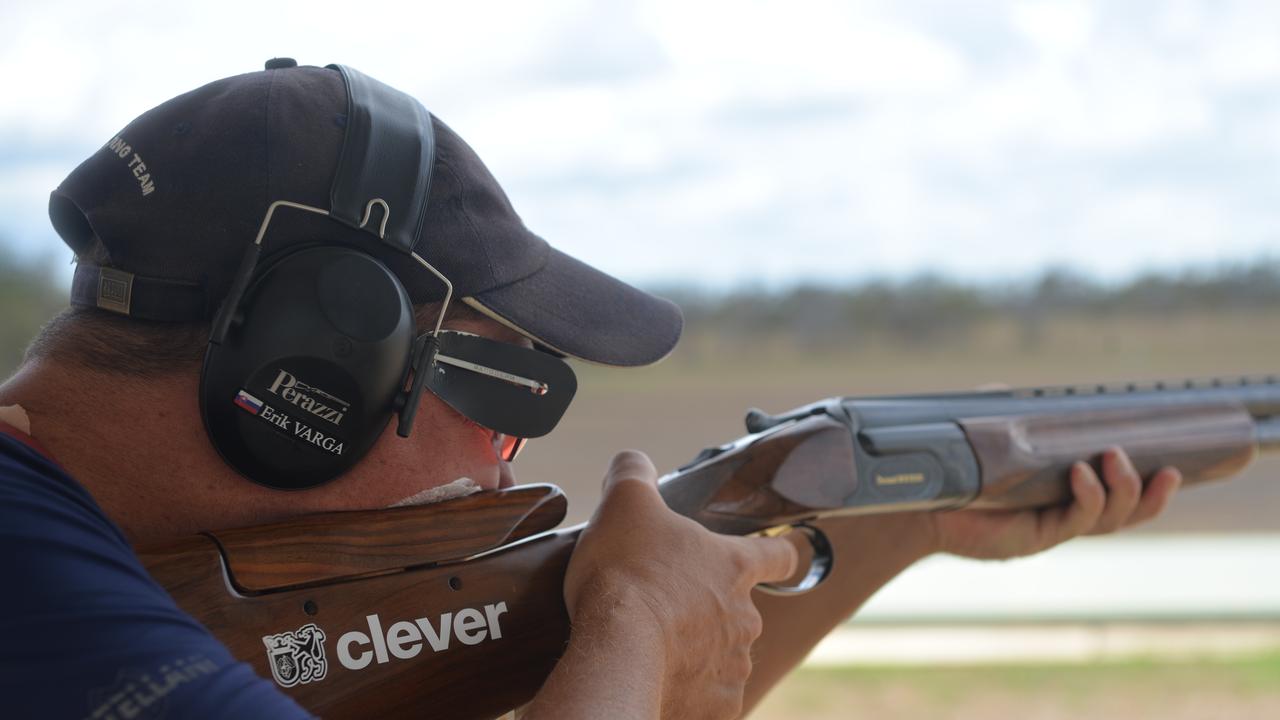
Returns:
(424, 356)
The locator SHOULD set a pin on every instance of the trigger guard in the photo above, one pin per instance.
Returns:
(819, 566)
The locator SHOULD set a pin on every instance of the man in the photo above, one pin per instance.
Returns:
(105, 441)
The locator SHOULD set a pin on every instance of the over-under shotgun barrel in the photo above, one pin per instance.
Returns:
(998, 449)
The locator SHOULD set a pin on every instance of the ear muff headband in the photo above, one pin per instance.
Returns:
(388, 150)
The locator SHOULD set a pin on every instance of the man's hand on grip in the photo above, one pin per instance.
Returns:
(683, 592)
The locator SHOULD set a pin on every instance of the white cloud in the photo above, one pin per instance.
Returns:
(723, 141)
(1055, 27)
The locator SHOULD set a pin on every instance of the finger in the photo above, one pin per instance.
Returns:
(1061, 524)
(769, 559)
(1124, 487)
(1156, 497)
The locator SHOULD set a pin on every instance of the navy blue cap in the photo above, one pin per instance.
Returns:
(177, 195)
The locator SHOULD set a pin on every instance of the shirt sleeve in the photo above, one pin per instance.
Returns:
(86, 632)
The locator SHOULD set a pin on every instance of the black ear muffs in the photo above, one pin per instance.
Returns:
(308, 374)
(308, 355)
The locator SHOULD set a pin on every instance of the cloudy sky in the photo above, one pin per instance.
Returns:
(729, 142)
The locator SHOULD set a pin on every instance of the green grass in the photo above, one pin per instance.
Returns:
(1250, 674)
(1238, 688)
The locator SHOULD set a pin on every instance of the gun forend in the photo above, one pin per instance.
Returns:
(1025, 460)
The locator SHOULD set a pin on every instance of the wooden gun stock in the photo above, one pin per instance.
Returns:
(456, 610)
(406, 628)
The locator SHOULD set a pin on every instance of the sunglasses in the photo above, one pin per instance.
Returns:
(509, 446)
(516, 392)
(506, 446)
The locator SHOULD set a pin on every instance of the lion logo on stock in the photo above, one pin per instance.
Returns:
(297, 657)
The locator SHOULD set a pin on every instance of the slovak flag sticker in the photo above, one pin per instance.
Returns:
(248, 402)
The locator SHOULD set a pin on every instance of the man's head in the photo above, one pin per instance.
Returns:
(162, 215)
(177, 196)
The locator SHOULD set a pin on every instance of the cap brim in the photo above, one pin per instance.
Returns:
(580, 312)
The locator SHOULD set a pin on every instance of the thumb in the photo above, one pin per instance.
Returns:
(630, 466)
(630, 479)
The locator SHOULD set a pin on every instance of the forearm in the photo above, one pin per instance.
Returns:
(613, 667)
(870, 551)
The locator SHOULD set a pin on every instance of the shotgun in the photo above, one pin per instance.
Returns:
(456, 610)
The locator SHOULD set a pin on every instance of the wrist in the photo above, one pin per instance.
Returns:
(932, 540)
(901, 537)
(611, 610)
(614, 665)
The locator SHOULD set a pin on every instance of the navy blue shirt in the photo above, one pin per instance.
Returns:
(84, 630)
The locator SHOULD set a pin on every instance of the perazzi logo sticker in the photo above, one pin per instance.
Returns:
(312, 399)
(298, 657)
(900, 479)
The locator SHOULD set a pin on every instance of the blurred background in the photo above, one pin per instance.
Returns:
(846, 198)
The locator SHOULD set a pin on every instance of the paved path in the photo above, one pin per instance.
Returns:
(1045, 643)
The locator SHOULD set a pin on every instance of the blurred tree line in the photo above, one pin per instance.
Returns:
(934, 310)
(927, 309)
(29, 295)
